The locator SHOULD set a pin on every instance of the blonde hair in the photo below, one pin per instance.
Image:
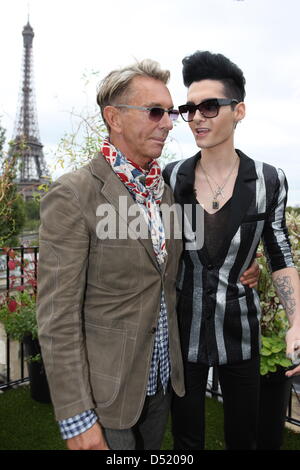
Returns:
(117, 83)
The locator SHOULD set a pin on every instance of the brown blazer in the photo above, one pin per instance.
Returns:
(99, 301)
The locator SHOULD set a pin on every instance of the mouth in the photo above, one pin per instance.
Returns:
(160, 140)
(201, 131)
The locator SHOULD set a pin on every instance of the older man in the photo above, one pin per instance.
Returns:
(107, 321)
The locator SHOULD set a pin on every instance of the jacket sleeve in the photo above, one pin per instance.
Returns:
(275, 234)
(63, 258)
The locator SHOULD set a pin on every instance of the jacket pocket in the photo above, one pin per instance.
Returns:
(119, 267)
(105, 351)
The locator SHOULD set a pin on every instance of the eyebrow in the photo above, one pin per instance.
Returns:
(157, 105)
(203, 101)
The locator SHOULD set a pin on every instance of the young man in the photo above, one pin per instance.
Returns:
(243, 200)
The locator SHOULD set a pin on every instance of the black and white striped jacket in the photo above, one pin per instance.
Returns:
(218, 316)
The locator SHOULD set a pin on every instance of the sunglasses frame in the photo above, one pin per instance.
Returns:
(219, 101)
(170, 112)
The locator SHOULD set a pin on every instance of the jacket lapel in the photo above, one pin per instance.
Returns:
(184, 188)
(112, 190)
(243, 194)
(184, 193)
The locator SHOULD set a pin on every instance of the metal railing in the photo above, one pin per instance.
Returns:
(12, 352)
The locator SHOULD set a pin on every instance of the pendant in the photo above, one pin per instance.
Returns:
(215, 204)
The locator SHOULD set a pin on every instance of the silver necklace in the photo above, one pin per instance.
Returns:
(219, 189)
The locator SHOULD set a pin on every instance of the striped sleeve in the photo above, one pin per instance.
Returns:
(275, 234)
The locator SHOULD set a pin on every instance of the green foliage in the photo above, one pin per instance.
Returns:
(10, 231)
(18, 315)
(8, 192)
(273, 353)
(32, 217)
(274, 323)
(18, 304)
(36, 358)
(12, 213)
(293, 209)
(293, 224)
(79, 147)
(32, 209)
(2, 141)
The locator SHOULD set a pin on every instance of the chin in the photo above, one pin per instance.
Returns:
(156, 153)
(202, 145)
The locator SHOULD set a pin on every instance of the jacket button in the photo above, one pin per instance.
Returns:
(153, 330)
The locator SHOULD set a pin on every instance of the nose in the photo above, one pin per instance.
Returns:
(198, 116)
(166, 122)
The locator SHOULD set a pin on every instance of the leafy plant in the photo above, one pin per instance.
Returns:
(274, 323)
(12, 212)
(18, 315)
(18, 304)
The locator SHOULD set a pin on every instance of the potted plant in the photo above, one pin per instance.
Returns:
(18, 316)
(275, 386)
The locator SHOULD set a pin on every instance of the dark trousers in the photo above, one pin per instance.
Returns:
(148, 432)
(240, 389)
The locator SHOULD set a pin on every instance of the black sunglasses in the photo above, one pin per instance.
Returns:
(155, 113)
(208, 108)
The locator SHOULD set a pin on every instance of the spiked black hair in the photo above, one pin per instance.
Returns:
(203, 65)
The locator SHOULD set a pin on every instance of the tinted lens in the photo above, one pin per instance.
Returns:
(156, 114)
(209, 108)
(187, 112)
(173, 114)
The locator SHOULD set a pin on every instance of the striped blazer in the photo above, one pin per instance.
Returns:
(219, 318)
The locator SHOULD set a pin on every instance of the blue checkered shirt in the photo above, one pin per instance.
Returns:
(160, 363)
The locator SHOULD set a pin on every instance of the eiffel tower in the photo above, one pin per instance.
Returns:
(32, 169)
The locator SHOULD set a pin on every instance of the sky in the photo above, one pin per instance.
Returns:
(78, 42)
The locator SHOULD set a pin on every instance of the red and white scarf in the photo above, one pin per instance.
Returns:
(146, 188)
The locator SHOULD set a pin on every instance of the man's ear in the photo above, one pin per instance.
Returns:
(112, 117)
(239, 111)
